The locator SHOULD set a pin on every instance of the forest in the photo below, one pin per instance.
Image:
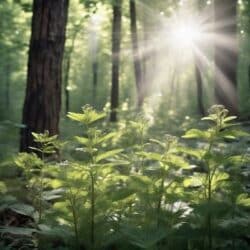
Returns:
(125, 124)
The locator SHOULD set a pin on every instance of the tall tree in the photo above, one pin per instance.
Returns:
(67, 67)
(136, 53)
(198, 70)
(226, 55)
(66, 81)
(94, 57)
(42, 104)
(116, 46)
(95, 77)
(199, 84)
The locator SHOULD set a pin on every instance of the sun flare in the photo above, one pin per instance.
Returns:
(186, 34)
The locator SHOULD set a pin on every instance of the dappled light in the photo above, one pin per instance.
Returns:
(125, 124)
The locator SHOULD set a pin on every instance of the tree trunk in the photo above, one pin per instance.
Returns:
(66, 83)
(116, 45)
(94, 56)
(136, 54)
(7, 89)
(95, 79)
(145, 55)
(67, 59)
(199, 83)
(42, 103)
(226, 55)
(249, 75)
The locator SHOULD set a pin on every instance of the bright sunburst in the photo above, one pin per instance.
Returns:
(186, 34)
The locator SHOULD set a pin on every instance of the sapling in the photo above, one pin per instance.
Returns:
(92, 146)
(34, 167)
(213, 157)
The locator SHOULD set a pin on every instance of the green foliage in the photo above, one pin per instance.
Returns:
(46, 144)
(215, 159)
(36, 170)
(124, 186)
(87, 182)
(130, 187)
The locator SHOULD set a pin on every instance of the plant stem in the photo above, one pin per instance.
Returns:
(209, 213)
(159, 201)
(92, 232)
(209, 196)
(72, 201)
(40, 205)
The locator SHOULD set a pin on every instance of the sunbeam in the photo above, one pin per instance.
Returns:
(186, 34)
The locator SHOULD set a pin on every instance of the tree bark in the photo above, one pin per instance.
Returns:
(199, 83)
(95, 79)
(249, 75)
(7, 85)
(67, 59)
(226, 54)
(116, 46)
(94, 56)
(66, 83)
(136, 53)
(42, 103)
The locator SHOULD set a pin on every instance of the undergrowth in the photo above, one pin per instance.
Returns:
(120, 188)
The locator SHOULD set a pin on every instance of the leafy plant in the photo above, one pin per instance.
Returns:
(215, 161)
(94, 171)
(35, 168)
(129, 190)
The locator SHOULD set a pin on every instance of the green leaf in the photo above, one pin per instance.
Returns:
(53, 231)
(243, 200)
(121, 194)
(106, 137)
(18, 230)
(83, 140)
(89, 116)
(3, 188)
(108, 154)
(237, 160)
(53, 194)
(151, 155)
(197, 134)
(176, 160)
(76, 116)
(209, 118)
(194, 181)
(139, 182)
(230, 118)
(143, 238)
(158, 142)
(218, 178)
(23, 209)
(197, 153)
(233, 134)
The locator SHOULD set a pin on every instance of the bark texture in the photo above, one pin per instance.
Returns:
(42, 104)
(226, 54)
(7, 85)
(199, 83)
(116, 46)
(66, 83)
(95, 78)
(136, 53)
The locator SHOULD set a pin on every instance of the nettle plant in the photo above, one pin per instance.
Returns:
(87, 181)
(153, 188)
(215, 184)
(37, 170)
(126, 190)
